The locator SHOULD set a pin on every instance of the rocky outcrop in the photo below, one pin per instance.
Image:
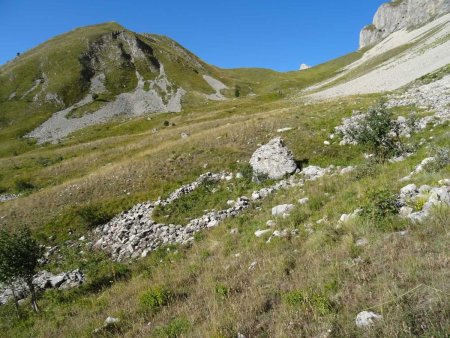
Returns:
(43, 280)
(417, 203)
(273, 160)
(399, 14)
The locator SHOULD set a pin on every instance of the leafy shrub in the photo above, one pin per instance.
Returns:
(381, 204)
(316, 301)
(174, 329)
(367, 169)
(441, 160)
(379, 131)
(23, 185)
(166, 123)
(155, 298)
(222, 291)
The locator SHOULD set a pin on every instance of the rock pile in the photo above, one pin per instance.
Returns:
(8, 197)
(273, 160)
(434, 96)
(132, 234)
(417, 203)
(44, 280)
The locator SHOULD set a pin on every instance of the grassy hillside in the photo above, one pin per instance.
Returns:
(311, 284)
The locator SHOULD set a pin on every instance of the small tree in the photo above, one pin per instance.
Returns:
(19, 257)
(7, 272)
(379, 131)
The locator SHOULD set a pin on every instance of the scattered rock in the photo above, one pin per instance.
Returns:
(282, 210)
(8, 197)
(303, 201)
(282, 130)
(260, 233)
(361, 242)
(367, 318)
(273, 160)
(252, 266)
(184, 135)
(111, 321)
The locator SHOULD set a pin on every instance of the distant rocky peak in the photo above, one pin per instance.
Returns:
(399, 14)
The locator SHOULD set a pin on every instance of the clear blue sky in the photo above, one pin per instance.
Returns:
(279, 34)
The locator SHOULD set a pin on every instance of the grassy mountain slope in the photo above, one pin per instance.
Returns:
(310, 285)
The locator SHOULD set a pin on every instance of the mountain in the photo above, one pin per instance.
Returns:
(400, 14)
(94, 73)
(174, 198)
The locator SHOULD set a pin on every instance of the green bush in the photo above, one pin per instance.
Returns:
(381, 204)
(222, 291)
(24, 185)
(315, 301)
(155, 298)
(378, 131)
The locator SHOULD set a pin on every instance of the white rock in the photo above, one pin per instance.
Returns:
(327, 143)
(271, 223)
(273, 159)
(260, 233)
(405, 211)
(346, 170)
(111, 321)
(234, 231)
(361, 242)
(282, 210)
(367, 318)
(252, 266)
(303, 201)
(282, 130)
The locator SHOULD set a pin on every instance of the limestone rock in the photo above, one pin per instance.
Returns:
(397, 15)
(367, 318)
(282, 210)
(273, 159)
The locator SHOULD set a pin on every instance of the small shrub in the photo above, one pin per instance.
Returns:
(441, 160)
(166, 123)
(155, 298)
(318, 302)
(23, 185)
(174, 329)
(367, 169)
(222, 291)
(294, 298)
(382, 203)
(247, 172)
(378, 131)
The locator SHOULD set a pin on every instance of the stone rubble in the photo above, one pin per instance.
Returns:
(422, 200)
(132, 234)
(8, 197)
(434, 96)
(44, 280)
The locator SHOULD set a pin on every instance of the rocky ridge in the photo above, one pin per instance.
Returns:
(401, 14)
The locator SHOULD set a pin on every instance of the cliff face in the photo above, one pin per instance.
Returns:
(399, 14)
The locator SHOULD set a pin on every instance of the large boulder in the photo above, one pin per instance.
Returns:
(273, 160)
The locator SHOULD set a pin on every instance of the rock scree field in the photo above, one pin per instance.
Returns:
(173, 198)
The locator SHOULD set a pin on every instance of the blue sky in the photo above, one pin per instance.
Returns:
(278, 34)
